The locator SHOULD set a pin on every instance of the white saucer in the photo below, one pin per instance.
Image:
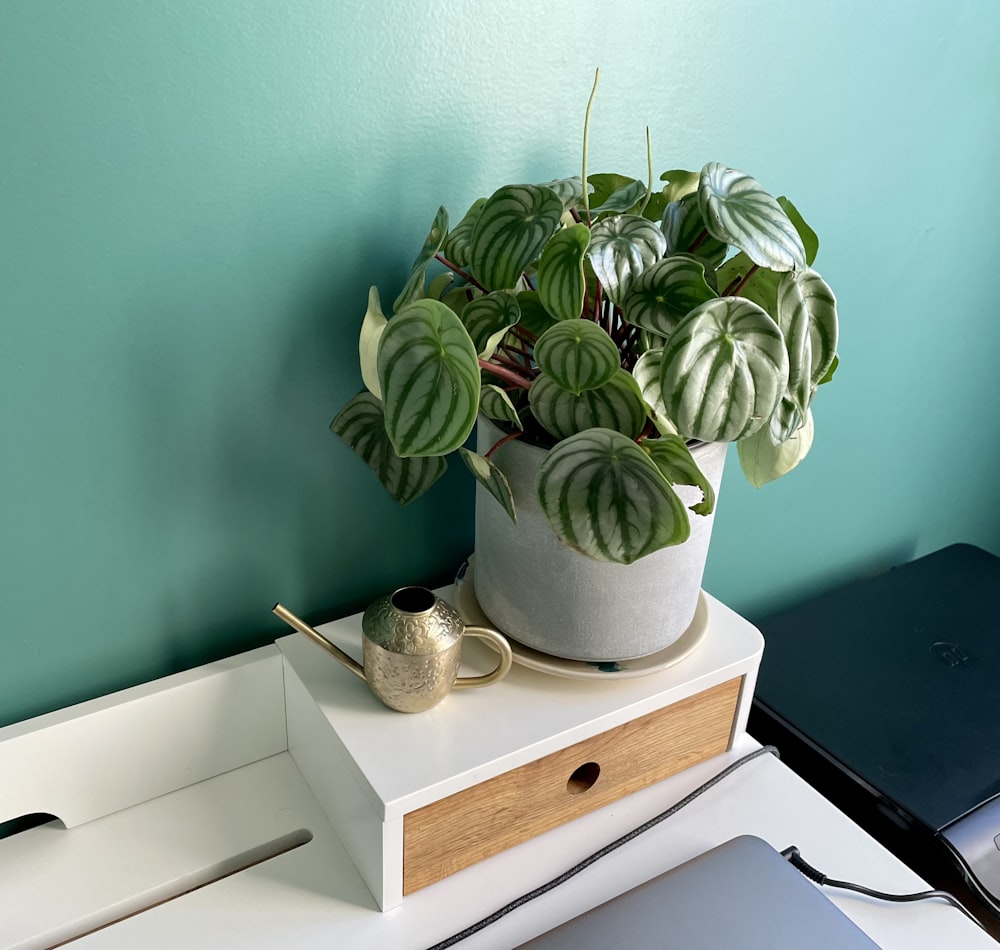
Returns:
(472, 613)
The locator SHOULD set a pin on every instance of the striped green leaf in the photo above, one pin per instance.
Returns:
(785, 420)
(414, 288)
(762, 461)
(615, 405)
(569, 190)
(561, 287)
(621, 248)
(626, 196)
(456, 245)
(488, 318)
(362, 426)
(807, 315)
(684, 232)
(491, 478)
(510, 232)
(371, 332)
(429, 375)
(577, 354)
(534, 317)
(737, 210)
(665, 293)
(810, 240)
(648, 373)
(673, 458)
(605, 497)
(723, 370)
(494, 403)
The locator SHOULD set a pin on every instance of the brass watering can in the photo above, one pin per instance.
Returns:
(412, 647)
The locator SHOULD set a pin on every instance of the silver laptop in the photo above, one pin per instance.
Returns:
(742, 895)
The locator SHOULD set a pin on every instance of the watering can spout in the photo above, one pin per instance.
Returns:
(302, 627)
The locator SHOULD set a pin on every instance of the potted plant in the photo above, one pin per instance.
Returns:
(615, 327)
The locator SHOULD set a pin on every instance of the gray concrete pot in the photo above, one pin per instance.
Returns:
(549, 597)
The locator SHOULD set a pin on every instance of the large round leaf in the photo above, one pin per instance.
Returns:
(807, 315)
(603, 496)
(362, 426)
(429, 374)
(615, 405)
(738, 211)
(723, 370)
(621, 248)
(577, 354)
(510, 232)
(665, 293)
(560, 272)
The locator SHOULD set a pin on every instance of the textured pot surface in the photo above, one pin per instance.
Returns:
(551, 598)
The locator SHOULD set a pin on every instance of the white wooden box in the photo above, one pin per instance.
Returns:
(416, 797)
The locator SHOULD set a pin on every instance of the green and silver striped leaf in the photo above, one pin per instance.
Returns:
(561, 285)
(494, 403)
(429, 375)
(491, 478)
(807, 316)
(577, 354)
(621, 248)
(362, 426)
(569, 190)
(513, 227)
(737, 210)
(684, 232)
(667, 292)
(605, 497)
(414, 288)
(648, 373)
(674, 459)
(623, 198)
(534, 317)
(456, 245)
(371, 332)
(723, 370)
(616, 405)
(488, 318)
(762, 461)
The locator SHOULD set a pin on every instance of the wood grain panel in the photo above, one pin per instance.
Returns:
(448, 835)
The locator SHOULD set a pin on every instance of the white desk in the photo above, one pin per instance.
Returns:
(53, 881)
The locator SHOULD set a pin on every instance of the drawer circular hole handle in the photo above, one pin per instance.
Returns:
(583, 778)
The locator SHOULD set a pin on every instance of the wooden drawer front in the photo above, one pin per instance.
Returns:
(448, 835)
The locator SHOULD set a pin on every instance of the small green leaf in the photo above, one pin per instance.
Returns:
(621, 248)
(456, 245)
(488, 319)
(491, 478)
(737, 210)
(569, 190)
(361, 425)
(616, 405)
(604, 496)
(647, 373)
(761, 287)
(674, 459)
(667, 292)
(371, 332)
(723, 370)
(513, 227)
(762, 461)
(810, 241)
(577, 354)
(429, 374)
(560, 272)
(440, 285)
(414, 289)
(679, 184)
(624, 198)
(807, 315)
(494, 403)
(830, 371)
(684, 232)
(534, 317)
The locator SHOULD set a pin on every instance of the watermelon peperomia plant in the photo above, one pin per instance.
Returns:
(614, 325)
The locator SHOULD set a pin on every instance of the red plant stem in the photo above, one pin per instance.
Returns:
(507, 375)
(507, 438)
(734, 288)
(461, 273)
(698, 241)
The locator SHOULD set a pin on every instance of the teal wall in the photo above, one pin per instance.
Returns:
(195, 194)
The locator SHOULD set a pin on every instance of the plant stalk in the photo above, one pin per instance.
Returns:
(465, 275)
(507, 375)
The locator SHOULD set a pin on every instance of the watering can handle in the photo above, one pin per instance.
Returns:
(499, 643)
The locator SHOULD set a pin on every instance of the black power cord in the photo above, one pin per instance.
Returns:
(793, 857)
(607, 849)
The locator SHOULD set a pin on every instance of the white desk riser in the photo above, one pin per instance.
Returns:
(163, 784)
